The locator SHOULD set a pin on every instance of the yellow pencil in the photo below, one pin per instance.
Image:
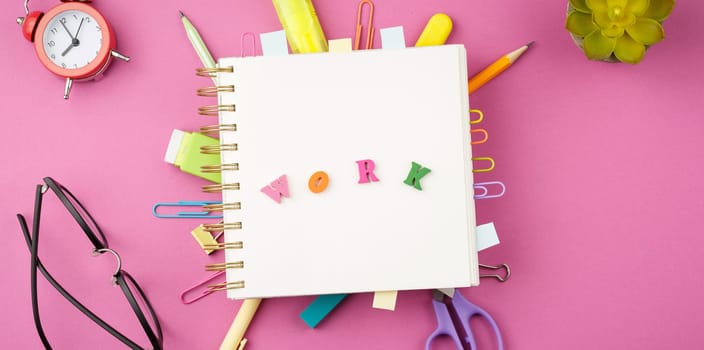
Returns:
(496, 68)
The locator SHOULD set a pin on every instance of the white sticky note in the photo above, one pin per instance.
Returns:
(486, 236)
(392, 38)
(274, 43)
(385, 300)
(340, 45)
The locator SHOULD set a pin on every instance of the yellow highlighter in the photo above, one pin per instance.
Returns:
(436, 31)
(303, 30)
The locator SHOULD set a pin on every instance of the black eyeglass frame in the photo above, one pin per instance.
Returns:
(120, 277)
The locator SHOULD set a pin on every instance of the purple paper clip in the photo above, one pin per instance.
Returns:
(254, 43)
(203, 293)
(484, 188)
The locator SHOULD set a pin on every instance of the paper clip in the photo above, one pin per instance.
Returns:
(483, 186)
(500, 278)
(478, 120)
(186, 214)
(481, 131)
(254, 43)
(484, 170)
(370, 28)
(203, 293)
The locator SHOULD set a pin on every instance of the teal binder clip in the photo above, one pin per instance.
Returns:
(187, 214)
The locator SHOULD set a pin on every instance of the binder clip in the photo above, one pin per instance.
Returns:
(498, 277)
(186, 214)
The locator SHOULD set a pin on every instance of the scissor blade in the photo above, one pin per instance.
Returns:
(438, 296)
(450, 292)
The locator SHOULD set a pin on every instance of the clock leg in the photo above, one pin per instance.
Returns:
(67, 89)
(119, 55)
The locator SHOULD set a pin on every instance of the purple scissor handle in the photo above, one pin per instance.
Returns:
(465, 310)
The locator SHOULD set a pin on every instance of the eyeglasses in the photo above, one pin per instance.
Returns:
(134, 294)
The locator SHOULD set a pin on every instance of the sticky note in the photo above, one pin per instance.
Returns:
(392, 38)
(274, 43)
(340, 45)
(320, 307)
(385, 300)
(486, 236)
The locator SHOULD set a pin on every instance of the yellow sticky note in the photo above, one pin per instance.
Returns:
(385, 300)
(340, 45)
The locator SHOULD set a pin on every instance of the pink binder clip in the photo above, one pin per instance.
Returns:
(484, 188)
(203, 285)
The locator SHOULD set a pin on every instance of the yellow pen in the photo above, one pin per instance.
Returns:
(303, 30)
(197, 42)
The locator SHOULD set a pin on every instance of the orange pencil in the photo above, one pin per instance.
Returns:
(496, 68)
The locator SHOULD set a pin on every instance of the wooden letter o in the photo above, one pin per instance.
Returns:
(318, 182)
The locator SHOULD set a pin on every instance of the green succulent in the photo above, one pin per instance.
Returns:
(620, 29)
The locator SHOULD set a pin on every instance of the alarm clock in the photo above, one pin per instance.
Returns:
(72, 40)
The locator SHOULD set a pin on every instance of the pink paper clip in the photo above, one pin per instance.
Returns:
(204, 292)
(254, 43)
(484, 188)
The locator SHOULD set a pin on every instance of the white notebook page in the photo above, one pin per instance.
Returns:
(300, 114)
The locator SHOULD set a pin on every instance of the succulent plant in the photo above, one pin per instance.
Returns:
(617, 29)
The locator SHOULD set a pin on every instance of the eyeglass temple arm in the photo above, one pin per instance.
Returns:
(37, 264)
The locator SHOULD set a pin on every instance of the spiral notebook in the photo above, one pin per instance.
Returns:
(345, 172)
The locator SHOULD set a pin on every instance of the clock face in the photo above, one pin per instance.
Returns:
(72, 39)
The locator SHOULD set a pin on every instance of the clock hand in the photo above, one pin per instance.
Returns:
(67, 49)
(75, 38)
(67, 31)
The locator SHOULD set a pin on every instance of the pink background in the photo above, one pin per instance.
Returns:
(601, 223)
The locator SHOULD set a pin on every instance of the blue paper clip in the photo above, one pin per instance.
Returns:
(186, 214)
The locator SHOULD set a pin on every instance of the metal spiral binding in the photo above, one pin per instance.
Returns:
(222, 226)
(225, 286)
(216, 129)
(212, 91)
(211, 72)
(220, 168)
(216, 149)
(223, 206)
(221, 187)
(224, 266)
(223, 246)
(215, 110)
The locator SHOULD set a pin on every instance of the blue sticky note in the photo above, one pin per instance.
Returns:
(274, 43)
(392, 38)
(320, 307)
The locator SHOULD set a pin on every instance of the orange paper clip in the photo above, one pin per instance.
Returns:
(480, 131)
(370, 28)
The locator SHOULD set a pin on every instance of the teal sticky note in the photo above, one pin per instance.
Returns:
(320, 307)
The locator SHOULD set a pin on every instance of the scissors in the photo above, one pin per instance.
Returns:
(464, 310)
